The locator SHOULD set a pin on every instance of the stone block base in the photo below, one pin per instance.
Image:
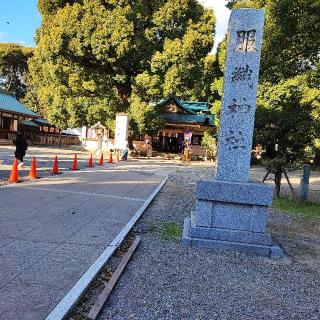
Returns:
(271, 250)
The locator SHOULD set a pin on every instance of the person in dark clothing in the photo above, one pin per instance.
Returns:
(125, 154)
(21, 147)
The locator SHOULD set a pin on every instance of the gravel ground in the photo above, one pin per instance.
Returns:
(166, 280)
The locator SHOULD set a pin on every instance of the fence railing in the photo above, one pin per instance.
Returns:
(55, 140)
(43, 138)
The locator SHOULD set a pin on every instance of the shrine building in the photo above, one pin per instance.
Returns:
(183, 119)
(14, 117)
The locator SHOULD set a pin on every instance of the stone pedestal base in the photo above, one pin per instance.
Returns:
(231, 215)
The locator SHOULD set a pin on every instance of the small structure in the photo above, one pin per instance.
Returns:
(231, 211)
(15, 116)
(183, 120)
(95, 138)
(11, 113)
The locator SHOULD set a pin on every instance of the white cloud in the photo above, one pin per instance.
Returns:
(4, 38)
(222, 18)
(2, 35)
(22, 42)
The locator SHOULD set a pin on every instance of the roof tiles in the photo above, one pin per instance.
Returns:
(9, 104)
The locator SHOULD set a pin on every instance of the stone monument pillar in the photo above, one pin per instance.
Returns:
(231, 212)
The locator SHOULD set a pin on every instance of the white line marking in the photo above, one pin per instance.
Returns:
(87, 194)
(62, 309)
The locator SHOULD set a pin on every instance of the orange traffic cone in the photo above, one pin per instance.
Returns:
(101, 160)
(55, 168)
(75, 163)
(90, 162)
(14, 176)
(110, 159)
(33, 171)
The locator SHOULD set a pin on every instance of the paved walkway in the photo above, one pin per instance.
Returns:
(53, 229)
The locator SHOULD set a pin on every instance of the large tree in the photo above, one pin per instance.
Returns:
(13, 68)
(287, 122)
(97, 57)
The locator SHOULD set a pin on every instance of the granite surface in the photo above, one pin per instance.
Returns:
(230, 235)
(246, 193)
(232, 216)
(271, 250)
(231, 212)
(239, 94)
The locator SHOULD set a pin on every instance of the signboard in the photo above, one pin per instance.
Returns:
(188, 136)
(121, 134)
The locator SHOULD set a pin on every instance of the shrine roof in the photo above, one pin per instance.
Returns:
(43, 122)
(29, 123)
(201, 119)
(11, 105)
(195, 106)
(191, 107)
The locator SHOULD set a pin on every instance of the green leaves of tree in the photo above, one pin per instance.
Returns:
(97, 57)
(13, 68)
(288, 115)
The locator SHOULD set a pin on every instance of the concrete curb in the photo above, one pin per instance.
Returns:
(62, 309)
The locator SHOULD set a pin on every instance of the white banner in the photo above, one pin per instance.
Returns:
(121, 134)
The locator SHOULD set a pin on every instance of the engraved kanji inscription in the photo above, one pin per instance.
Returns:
(246, 41)
(239, 107)
(236, 140)
(242, 74)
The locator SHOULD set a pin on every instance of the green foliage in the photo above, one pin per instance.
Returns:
(13, 68)
(287, 122)
(144, 117)
(233, 4)
(216, 86)
(307, 208)
(119, 56)
(170, 231)
(288, 116)
(209, 142)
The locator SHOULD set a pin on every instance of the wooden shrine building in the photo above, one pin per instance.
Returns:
(14, 117)
(12, 114)
(182, 119)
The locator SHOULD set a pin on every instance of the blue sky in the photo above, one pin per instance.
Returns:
(24, 19)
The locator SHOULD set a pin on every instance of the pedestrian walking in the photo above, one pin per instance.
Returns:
(21, 147)
(125, 154)
(149, 149)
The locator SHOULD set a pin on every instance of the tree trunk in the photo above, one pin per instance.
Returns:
(277, 180)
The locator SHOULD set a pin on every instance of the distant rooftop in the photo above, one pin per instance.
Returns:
(11, 105)
(42, 121)
(195, 112)
(191, 107)
(196, 106)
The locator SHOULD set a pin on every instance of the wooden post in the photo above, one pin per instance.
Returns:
(95, 310)
(304, 183)
(266, 176)
(289, 183)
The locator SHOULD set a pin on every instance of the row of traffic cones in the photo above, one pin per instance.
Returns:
(14, 176)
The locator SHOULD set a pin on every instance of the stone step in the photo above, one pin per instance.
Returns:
(5, 142)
